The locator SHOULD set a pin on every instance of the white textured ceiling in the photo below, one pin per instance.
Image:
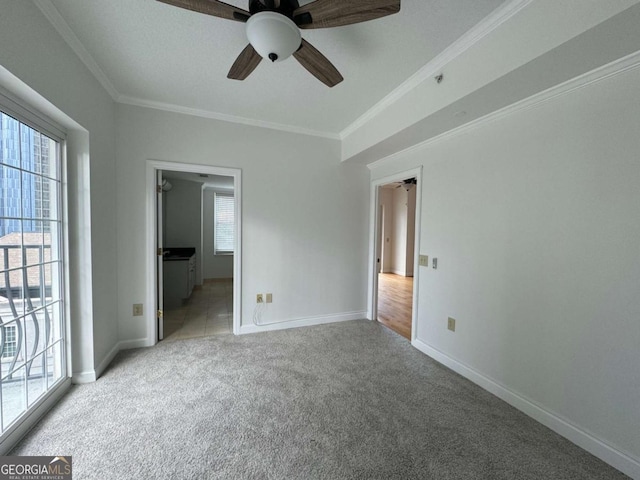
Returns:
(158, 54)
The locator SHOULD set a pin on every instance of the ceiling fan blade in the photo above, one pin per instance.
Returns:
(211, 7)
(317, 64)
(246, 63)
(335, 13)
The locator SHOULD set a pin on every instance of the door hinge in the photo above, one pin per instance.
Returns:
(159, 251)
(159, 313)
(159, 188)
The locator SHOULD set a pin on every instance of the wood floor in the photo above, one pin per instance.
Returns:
(395, 300)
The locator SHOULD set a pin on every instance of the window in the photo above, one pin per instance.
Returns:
(223, 224)
(8, 341)
(32, 331)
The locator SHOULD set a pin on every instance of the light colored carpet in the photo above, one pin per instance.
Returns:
(343, 401)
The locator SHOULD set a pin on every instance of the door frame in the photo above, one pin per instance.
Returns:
(160, 258)
(152, 166)
(374, 206)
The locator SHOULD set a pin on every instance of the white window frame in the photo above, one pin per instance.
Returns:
(14, 107)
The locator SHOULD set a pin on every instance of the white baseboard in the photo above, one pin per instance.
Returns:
(107, 359)
(624, 462)
(303, 322)
(87, 376)
(136, 343)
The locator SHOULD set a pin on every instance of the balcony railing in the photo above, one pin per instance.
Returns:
(25, 296)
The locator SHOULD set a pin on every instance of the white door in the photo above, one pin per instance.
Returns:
(159, 220)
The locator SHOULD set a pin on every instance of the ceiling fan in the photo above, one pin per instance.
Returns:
(408, 183)
(273, 29)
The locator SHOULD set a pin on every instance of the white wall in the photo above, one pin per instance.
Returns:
(183, 219)
(305, 246)
(386, 202)
(215, 266)
(534, 220)
(34, 53)
(399, 222)
(400, 206)
(410, 239)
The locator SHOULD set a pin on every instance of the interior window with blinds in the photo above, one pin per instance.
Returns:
(223, 224)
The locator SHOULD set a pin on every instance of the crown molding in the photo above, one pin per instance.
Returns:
(486, 26)
(434, 67)
(612, 69)
(168, 107)
(63, 28)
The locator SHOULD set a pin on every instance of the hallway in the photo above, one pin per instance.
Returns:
(395, 302)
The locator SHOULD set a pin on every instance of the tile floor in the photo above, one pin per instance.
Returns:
(209, 311)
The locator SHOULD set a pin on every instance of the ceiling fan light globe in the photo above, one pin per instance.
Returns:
(271, 33)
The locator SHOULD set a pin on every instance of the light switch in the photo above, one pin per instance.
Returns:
(423, 260)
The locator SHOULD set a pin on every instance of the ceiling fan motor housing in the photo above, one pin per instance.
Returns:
(286, 7)
(273, 35)
(273, 29)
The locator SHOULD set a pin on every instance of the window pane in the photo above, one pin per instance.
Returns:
(224, 221)
(48, 207)
(10, 200)
(35, 288)
(55, 364)
(48, 236)
(13, 396)
(11, 282)
(53, 282)
(33, 252)
(10, 131)
(37, 384)
(31, 196)
(53, 327)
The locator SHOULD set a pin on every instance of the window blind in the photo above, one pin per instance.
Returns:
(224, 221)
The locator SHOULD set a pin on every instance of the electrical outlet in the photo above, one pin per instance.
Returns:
(451, 324)
(137, 310)
(423, 260)
(269, 298)
(259, 298)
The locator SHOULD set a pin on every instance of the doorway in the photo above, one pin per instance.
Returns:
(197, 228)
(194, 250)
(394, 250)
(396, 242)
